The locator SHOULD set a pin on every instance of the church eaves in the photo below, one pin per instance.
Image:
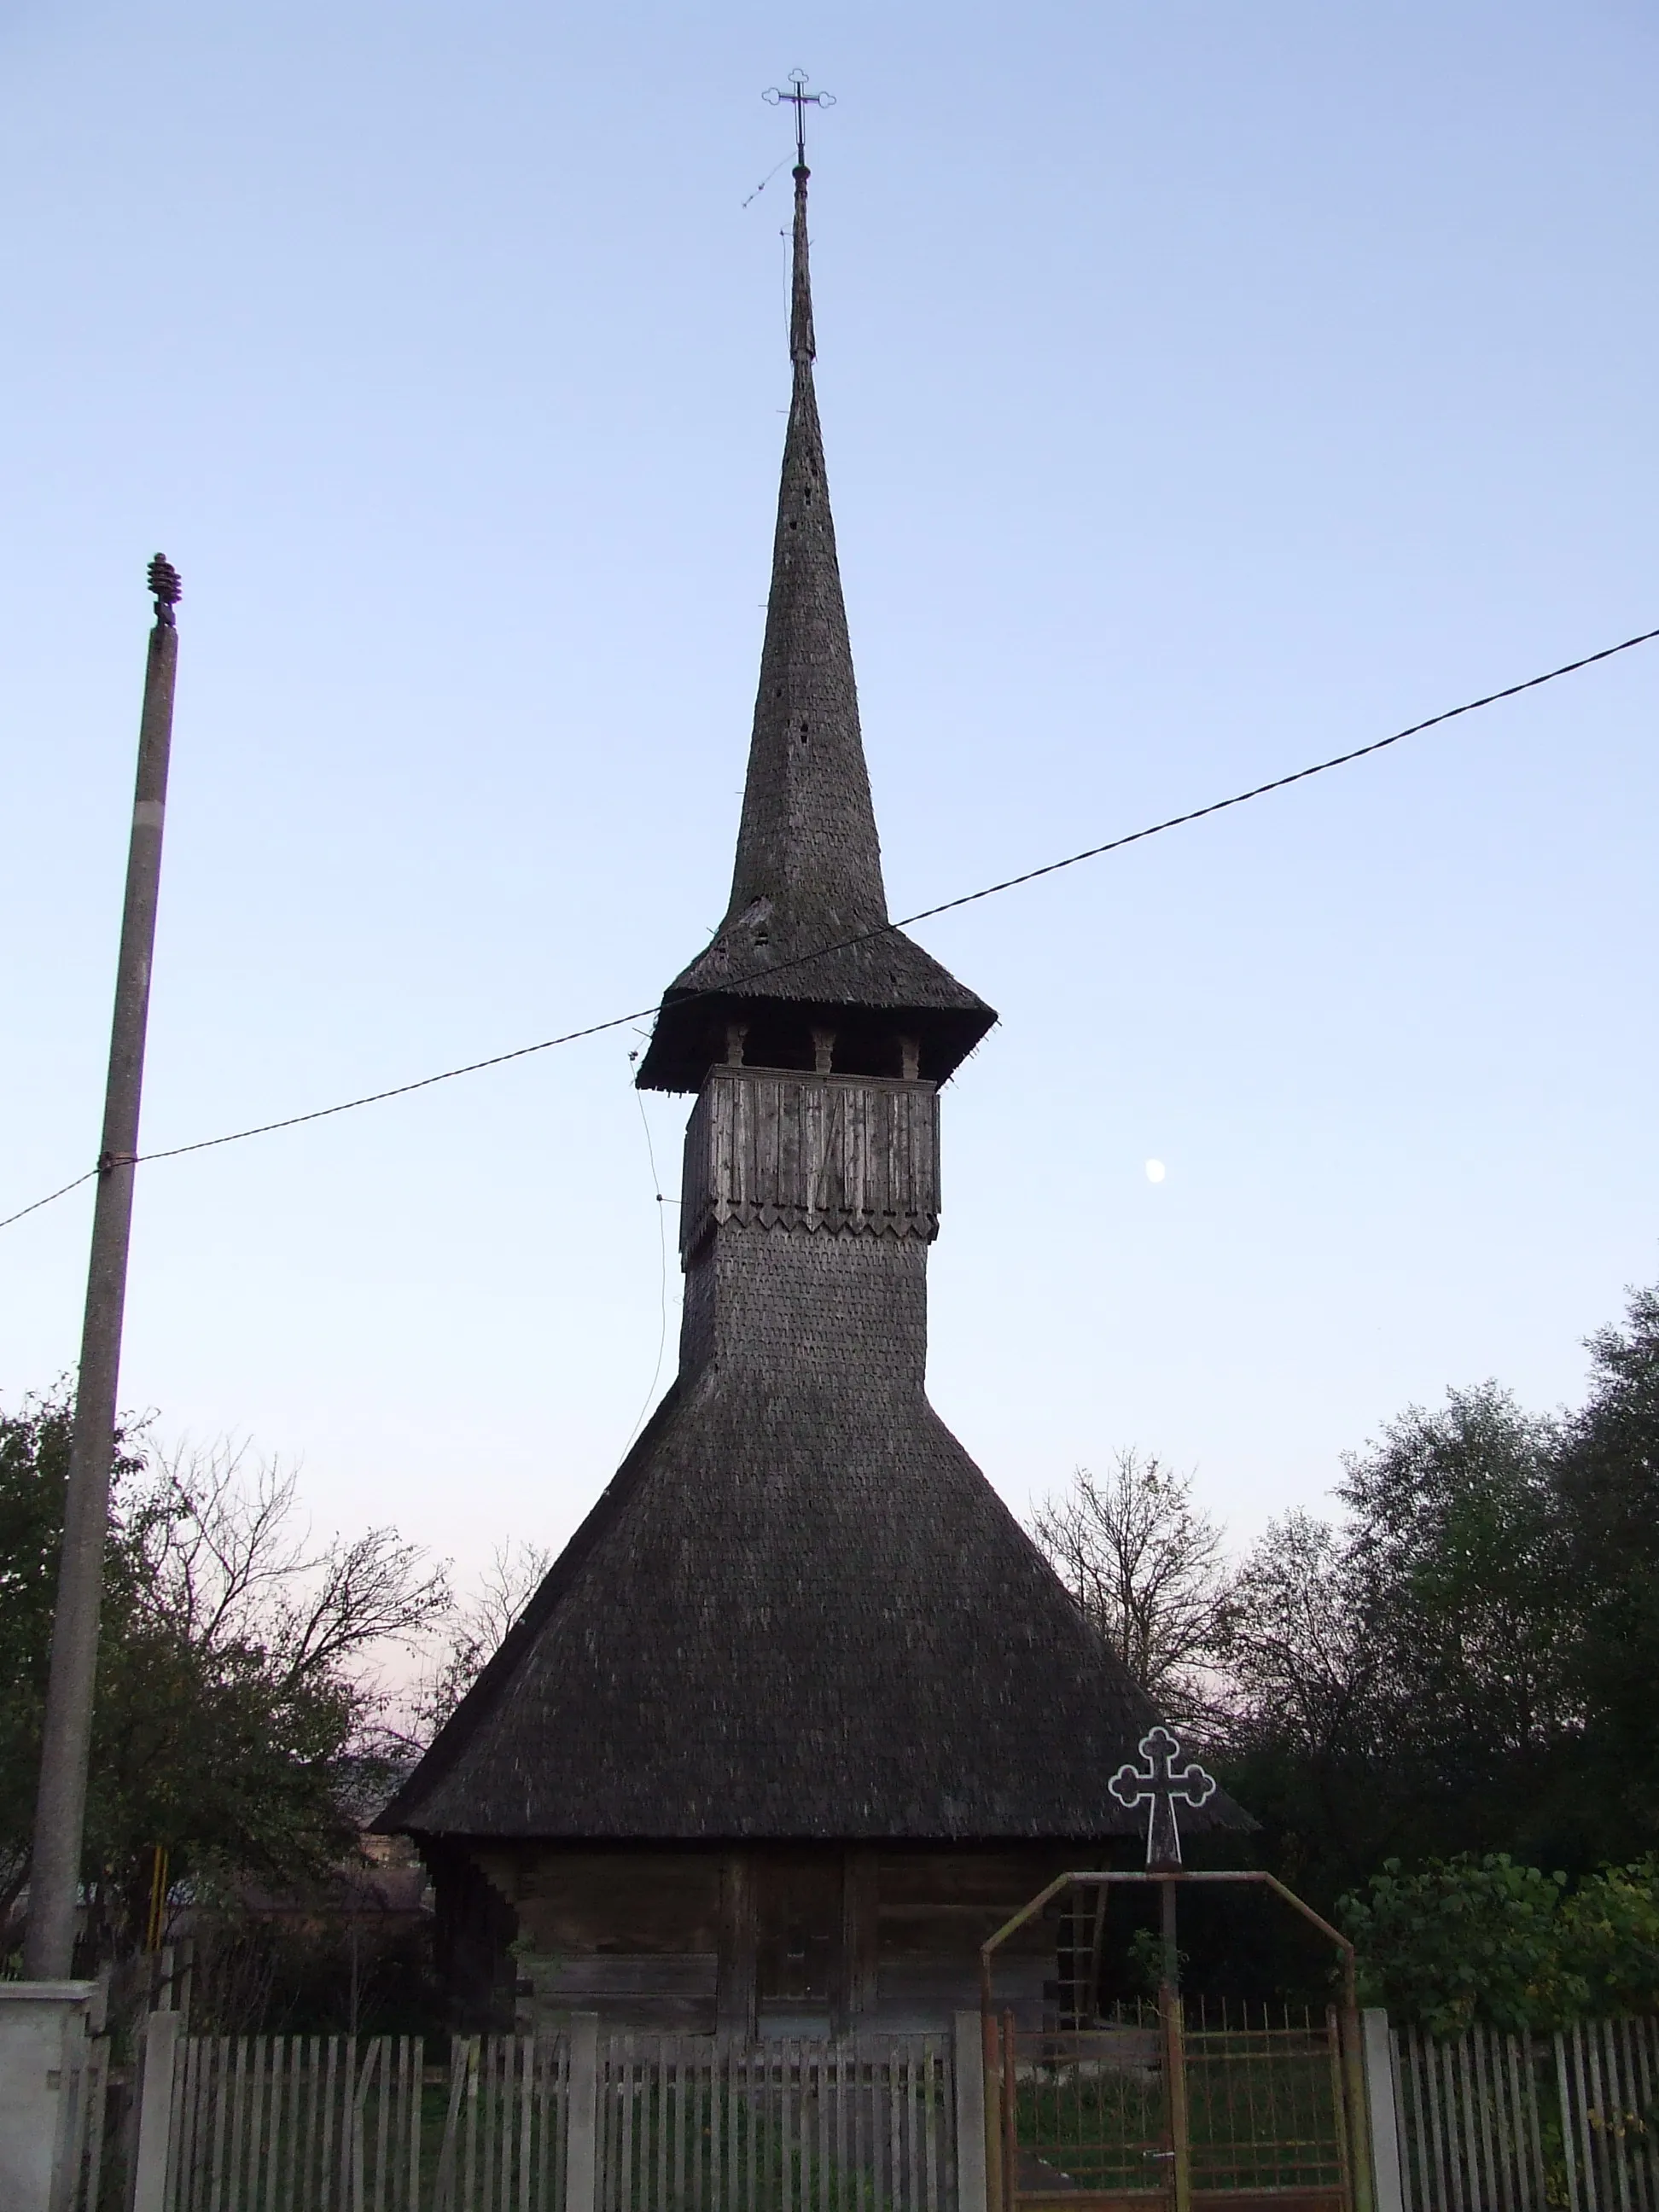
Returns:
(806, 942)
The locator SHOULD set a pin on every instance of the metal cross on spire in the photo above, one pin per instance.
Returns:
(1158, 1788)
(800, 100)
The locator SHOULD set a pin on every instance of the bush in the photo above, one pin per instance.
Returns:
(1487, 1939)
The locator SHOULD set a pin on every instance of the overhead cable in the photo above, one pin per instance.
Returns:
(862, 937)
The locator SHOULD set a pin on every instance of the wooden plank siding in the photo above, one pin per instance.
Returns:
(792, 1150)
(770, 1940)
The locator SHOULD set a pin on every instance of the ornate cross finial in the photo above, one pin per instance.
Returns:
(1158, 1788)
(801, 99)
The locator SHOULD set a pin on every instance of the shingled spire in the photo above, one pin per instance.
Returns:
(805, 945)
(808, 838)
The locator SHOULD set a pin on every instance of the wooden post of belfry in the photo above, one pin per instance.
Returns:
(60, 1806)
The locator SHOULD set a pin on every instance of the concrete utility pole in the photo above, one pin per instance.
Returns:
(60, 1807)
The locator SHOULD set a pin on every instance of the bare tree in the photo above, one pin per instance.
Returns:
(241, 1723)
(479, 1629)
(1297, 1660)
(233, 1566)
(1147, 1566)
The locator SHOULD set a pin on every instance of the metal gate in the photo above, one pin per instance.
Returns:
(1182, 2107)
(1195, 2106)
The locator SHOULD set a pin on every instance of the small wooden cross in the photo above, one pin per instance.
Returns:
(801, 99)
(1158, 1788)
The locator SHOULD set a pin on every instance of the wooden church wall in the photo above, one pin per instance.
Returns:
(935, 1911)
(771, 1940)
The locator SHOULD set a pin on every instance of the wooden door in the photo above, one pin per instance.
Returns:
(798, 1969)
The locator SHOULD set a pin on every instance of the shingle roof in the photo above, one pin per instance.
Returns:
(808, 873)
(799, 1611)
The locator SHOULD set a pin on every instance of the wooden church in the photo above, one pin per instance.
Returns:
(800, 1715)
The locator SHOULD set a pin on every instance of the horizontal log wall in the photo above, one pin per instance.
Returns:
(697, 1940)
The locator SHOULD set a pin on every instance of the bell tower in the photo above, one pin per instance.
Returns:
(815, 1034)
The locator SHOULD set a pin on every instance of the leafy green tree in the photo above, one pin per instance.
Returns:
(239, 1724)
(1401, 1683)
(1455, 1674)
(1608, 1482)
(1454, 1550)
(34, 1445)
(1302, 1746)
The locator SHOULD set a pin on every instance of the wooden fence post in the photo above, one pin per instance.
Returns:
(581, 2165)
(968, 2067)
(149, 2171)
(1386, 2177)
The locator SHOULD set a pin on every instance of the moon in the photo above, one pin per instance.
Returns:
(1154, 1170)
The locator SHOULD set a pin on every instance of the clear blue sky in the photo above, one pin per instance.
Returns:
(1207, 386)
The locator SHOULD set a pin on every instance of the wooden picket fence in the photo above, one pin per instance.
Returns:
(704, 2126)
(323, 2124)
(1562, 2122)
(578, 2122)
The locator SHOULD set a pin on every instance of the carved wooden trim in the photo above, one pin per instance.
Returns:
(845, 1154)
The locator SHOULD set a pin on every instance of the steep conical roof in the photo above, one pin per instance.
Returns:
(808, 873)
(799, 1611)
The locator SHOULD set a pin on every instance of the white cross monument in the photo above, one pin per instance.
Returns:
(1158, 1787)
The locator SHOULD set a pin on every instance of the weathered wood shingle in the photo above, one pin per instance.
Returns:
(808, 875)
(799, 1611)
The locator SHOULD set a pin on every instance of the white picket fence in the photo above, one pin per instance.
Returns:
(325, 2124)
(801, 2126)
(1562, 2122)
(605, 2121)
(578, 2122)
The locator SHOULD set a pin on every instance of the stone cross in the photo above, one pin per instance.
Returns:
(1156, 1787)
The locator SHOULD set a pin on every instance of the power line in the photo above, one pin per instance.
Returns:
(1261, 790)
(47, 1200)
(399, 1090)
(863, 937)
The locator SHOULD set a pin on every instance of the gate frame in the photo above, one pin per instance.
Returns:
(999, 2189)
